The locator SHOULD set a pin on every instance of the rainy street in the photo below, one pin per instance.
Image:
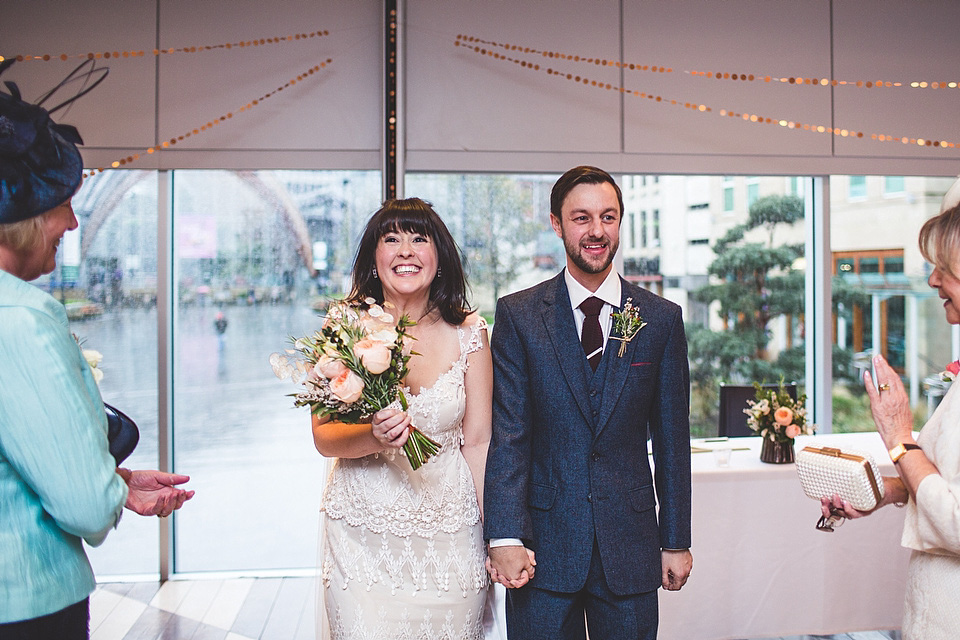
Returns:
(249, 453)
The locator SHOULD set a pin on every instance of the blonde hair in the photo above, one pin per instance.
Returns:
(940, 240)
(22, 235)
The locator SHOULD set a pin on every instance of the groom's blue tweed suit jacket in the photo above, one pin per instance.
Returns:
(568, 461)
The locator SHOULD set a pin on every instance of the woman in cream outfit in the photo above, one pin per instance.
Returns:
(928, 468)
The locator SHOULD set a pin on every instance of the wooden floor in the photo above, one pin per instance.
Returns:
(238, 609)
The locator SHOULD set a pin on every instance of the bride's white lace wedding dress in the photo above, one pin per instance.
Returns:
(402, 550)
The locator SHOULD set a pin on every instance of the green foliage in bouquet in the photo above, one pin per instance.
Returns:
(353, 367)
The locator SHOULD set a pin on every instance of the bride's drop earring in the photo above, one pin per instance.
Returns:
(374, 273)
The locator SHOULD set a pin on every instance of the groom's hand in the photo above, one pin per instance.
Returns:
(676, 566)
(512, 566)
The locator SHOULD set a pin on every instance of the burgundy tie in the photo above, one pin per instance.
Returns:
(592, 336)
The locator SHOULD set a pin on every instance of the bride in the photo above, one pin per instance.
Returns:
(402, 550)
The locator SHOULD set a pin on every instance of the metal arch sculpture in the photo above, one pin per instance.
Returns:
(274, 194)
(102, 200)
(110, 188)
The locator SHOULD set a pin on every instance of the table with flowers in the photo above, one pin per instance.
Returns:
(761, 569)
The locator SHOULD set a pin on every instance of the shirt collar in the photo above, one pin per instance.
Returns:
(608, 291)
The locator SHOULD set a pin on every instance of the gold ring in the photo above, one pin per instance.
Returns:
(884, 387)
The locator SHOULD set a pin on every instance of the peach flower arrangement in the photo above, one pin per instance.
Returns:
(776, 416)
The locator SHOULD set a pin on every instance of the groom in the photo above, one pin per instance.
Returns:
(571, 506)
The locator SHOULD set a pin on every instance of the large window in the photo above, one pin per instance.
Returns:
(260, 250)
(740, 328)
(107, 278)
(881, 301)
(265, 249)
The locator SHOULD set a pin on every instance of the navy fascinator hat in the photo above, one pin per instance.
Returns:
(40, 166)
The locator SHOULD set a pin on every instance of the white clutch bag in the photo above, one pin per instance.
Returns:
(852, 475)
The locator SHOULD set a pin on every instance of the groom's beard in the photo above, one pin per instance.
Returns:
(588, 263)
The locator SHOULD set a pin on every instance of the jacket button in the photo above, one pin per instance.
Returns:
(595, 455)
(589, 497)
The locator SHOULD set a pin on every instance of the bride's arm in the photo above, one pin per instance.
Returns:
(343, 440)
(478, 384)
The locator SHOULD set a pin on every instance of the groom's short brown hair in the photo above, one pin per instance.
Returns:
(580, 175)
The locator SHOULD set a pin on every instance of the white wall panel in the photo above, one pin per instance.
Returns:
(462, 101)
(467, 112)
(903, 41)
(336, 108)
(736, 37)
(121, 111)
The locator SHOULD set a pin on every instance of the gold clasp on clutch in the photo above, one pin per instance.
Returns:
(830, 451)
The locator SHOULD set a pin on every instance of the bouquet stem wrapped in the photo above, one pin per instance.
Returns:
(353, 367)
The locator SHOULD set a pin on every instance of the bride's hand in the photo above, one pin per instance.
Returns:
(391, 427)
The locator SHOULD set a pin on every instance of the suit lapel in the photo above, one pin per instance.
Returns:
(617, 367)
(558, 318)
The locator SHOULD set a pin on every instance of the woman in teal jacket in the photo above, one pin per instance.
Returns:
(58, 482)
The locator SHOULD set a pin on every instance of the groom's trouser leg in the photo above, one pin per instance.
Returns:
(538, 614)
(614, 617)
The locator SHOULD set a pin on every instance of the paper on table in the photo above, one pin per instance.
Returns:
(702, 445)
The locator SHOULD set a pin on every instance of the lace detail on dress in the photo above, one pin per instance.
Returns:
(382, 493)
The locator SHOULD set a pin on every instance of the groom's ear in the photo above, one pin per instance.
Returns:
(556, 224)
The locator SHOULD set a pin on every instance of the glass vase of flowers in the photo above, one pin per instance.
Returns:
(777, 418)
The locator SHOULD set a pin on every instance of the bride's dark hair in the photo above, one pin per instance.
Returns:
(448, 291)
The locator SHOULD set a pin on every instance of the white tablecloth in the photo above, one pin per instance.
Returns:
(761, 569)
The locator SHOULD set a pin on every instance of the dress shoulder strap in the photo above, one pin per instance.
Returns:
(471, 337)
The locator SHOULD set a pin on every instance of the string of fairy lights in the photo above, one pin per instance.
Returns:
(135, 53)
(480, 47)
(166, 144)
(718, 75)
(491, 49)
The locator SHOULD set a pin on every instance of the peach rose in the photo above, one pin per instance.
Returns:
(783, 416)
(792, 431)
(347, 387)
(329, 368)
(374, 355)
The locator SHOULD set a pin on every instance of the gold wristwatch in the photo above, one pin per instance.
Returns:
(898, 451)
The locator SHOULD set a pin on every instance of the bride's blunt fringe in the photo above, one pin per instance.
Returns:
(940, 241)
(448, 293)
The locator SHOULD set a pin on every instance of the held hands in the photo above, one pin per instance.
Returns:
(889, 404)
(512, 566)
(391, 427)
(154, 493)
(676, 567)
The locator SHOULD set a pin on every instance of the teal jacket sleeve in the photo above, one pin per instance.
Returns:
(53, 429)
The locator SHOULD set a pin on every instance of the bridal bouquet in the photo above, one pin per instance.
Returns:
(776, 416)
(352, 367)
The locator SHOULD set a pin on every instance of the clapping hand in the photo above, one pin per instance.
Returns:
(154, 493)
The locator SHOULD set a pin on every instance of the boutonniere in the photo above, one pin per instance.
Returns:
(951, 373)
(626, 324)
